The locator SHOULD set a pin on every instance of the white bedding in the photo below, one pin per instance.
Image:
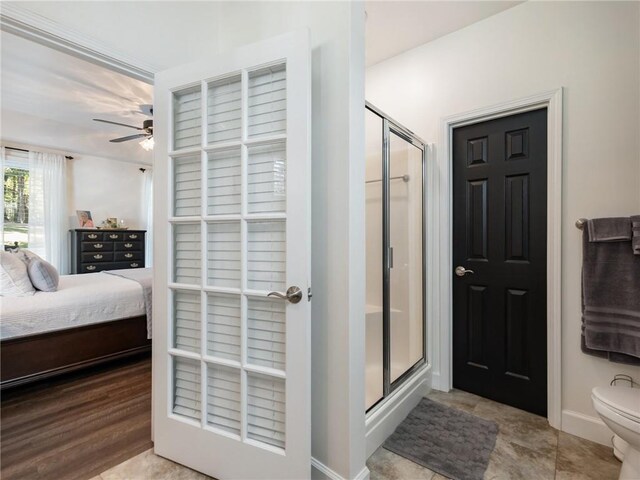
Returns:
(80, 300)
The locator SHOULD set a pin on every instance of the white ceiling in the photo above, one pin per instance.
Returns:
(159, 34)
(49, 99)
(394, 27)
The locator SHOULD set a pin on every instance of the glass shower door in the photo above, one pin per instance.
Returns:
(405, 262)
(395, 239)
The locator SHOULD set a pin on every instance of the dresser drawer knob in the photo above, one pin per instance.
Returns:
(92, 236)
(113, 235)
(91, 267)
(97, 245)
(97, 257)
(134, 265)
(128, 245)
(133, 236)
(128, 255)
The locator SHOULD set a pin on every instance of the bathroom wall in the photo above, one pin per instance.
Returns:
(592, 49)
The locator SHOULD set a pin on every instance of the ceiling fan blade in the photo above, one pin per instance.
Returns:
(116, 123)
(130, 137)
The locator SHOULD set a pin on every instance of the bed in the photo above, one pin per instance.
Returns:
(92, 319)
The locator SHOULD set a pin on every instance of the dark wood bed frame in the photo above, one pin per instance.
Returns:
(37, 357)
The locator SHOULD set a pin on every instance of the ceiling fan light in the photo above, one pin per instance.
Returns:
(147, 143)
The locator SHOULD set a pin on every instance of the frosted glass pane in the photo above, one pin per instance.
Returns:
(187, 118)
(266, 332)
(405, 290)
(186, 320)
(223, 326)
(186, 387)
(186, 186)
(223, 398)
(224, 179)
(223, 254)
(224, 110)
(267, 101)
(266, 409)
(267, 178)
(186, 254)
(266, 260)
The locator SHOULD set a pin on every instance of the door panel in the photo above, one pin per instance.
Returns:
(499, 232)
(232, 394)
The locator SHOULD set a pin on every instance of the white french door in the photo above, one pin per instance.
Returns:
(231, 363)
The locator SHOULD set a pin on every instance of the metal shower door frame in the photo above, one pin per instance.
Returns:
(389, 126)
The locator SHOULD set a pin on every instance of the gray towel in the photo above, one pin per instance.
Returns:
(610, 300)
(635, 238)
(609, 229)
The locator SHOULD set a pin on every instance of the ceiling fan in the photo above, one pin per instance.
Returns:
(147, 128)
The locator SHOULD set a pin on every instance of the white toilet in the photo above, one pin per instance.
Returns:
(619, 408)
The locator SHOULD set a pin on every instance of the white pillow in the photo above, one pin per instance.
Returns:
(14, 279)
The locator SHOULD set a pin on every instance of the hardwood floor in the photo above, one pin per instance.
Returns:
(77, 426)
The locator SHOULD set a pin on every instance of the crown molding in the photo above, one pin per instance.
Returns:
(26, 24)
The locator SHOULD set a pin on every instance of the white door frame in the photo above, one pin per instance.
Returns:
(441, 345)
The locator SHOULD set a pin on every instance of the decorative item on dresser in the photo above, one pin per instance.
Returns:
(96, 250)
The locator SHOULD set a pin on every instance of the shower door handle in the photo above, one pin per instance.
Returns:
(461, 271)
(293, 295)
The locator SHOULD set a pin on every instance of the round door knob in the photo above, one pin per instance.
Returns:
(461, 271)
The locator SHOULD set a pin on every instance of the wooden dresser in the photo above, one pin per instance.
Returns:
(97, 250)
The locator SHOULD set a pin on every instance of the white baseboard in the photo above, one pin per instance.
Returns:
(363, 475)
(319, 471)
(383, 420)
(586, 426)
(438, 383)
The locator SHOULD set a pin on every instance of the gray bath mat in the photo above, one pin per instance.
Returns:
(446, 440)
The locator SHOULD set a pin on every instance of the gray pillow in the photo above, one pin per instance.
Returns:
(43, 275)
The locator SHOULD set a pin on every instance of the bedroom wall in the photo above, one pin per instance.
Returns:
(591, 49)
(108, 188)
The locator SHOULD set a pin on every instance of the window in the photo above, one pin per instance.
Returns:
(16, 199)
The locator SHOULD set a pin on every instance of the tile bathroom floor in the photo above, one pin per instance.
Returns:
(526, 448)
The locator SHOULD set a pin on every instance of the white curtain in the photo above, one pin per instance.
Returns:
(3, 162)
(148, 213)
(48, 229)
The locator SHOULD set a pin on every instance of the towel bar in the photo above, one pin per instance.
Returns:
(580, 223)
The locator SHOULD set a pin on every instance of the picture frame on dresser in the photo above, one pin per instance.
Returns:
(97, 250)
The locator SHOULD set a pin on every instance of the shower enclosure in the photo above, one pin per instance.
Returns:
(395, 239)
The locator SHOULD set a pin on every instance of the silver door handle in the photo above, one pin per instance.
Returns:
(461, 271)
(293, 295)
